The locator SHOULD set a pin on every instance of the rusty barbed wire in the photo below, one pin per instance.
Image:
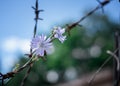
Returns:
(68, 29)
(101, 5)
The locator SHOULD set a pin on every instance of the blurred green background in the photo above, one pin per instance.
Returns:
(84, 51)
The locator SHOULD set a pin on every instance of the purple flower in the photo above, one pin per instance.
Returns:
(58, 33)
(41, 45)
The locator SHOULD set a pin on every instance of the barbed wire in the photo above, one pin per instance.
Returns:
(68, 29)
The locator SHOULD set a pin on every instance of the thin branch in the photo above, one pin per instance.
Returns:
(11, 74)
(30, 64)
(100, 68)
(116, 58)
(26, 75)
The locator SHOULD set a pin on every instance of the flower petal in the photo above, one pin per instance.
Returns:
(41, 44)
(58, 33)
(40, 52)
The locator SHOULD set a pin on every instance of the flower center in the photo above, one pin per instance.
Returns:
(41, 45)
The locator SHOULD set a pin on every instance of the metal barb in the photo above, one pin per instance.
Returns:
(101, 5)
(69, 27)
(37, 11)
